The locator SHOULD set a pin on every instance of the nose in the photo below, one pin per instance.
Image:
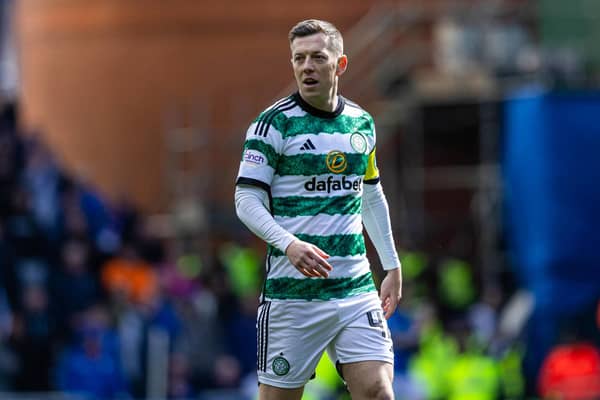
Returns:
(308, 65)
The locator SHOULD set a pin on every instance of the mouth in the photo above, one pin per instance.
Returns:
(310, 82)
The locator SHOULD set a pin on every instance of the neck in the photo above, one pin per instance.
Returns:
(329, 103)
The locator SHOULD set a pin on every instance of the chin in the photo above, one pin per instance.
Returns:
(310, 93)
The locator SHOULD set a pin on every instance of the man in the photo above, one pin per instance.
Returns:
(307, 183)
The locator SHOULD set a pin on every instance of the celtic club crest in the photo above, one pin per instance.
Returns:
(281, 366)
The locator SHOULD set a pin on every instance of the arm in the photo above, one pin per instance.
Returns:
(252, 211)
(376, 219)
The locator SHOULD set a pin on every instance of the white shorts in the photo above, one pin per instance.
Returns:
(292, 336)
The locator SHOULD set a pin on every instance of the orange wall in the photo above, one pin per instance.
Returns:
(101, 78)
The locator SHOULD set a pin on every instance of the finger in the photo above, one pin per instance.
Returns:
(384, 299)
(319, 266)
(322, 260)
(322, 272)
(313, 272)
(326, 265)
(307, 272)
(305, 269)
(385, 302)
(391, 307)
(315, 265)
(320, 252)
(388, 312)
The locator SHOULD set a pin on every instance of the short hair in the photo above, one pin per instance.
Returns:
(312, 26)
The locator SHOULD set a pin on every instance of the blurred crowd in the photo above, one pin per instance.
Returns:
(94, 300)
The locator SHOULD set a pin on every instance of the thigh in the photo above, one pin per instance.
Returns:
(268, 392)
(291, 339)
(369, 379)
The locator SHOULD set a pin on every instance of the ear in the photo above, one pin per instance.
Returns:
(342, 64)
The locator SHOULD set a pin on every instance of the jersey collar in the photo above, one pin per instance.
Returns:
(317, 112)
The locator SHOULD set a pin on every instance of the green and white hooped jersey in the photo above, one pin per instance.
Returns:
(313, 165)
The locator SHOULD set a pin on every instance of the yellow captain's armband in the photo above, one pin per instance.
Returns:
(372, 173)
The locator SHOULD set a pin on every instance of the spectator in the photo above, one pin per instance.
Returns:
(241, 333)
(22, 232)
(128, 277)
(8, 361)
(74, 287)
(87, 213)
(42, 180)
(180, 386)
(9, 170)
(473, 375)
(89, 366)
(202, 337)
(32, 340)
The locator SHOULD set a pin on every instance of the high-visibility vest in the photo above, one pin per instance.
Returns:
(473, 377)
(430, 365)
(512, 379)
(243, 266)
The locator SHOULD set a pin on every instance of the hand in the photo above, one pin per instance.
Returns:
(310, 260)
(391, 291)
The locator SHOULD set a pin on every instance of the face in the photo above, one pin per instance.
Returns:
(316, 69)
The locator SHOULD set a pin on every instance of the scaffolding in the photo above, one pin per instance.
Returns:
(401, 81)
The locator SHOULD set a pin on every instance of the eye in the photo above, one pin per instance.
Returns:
(298, 58)
(320, 57)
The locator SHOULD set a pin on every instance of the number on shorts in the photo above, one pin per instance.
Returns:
(376, 320)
